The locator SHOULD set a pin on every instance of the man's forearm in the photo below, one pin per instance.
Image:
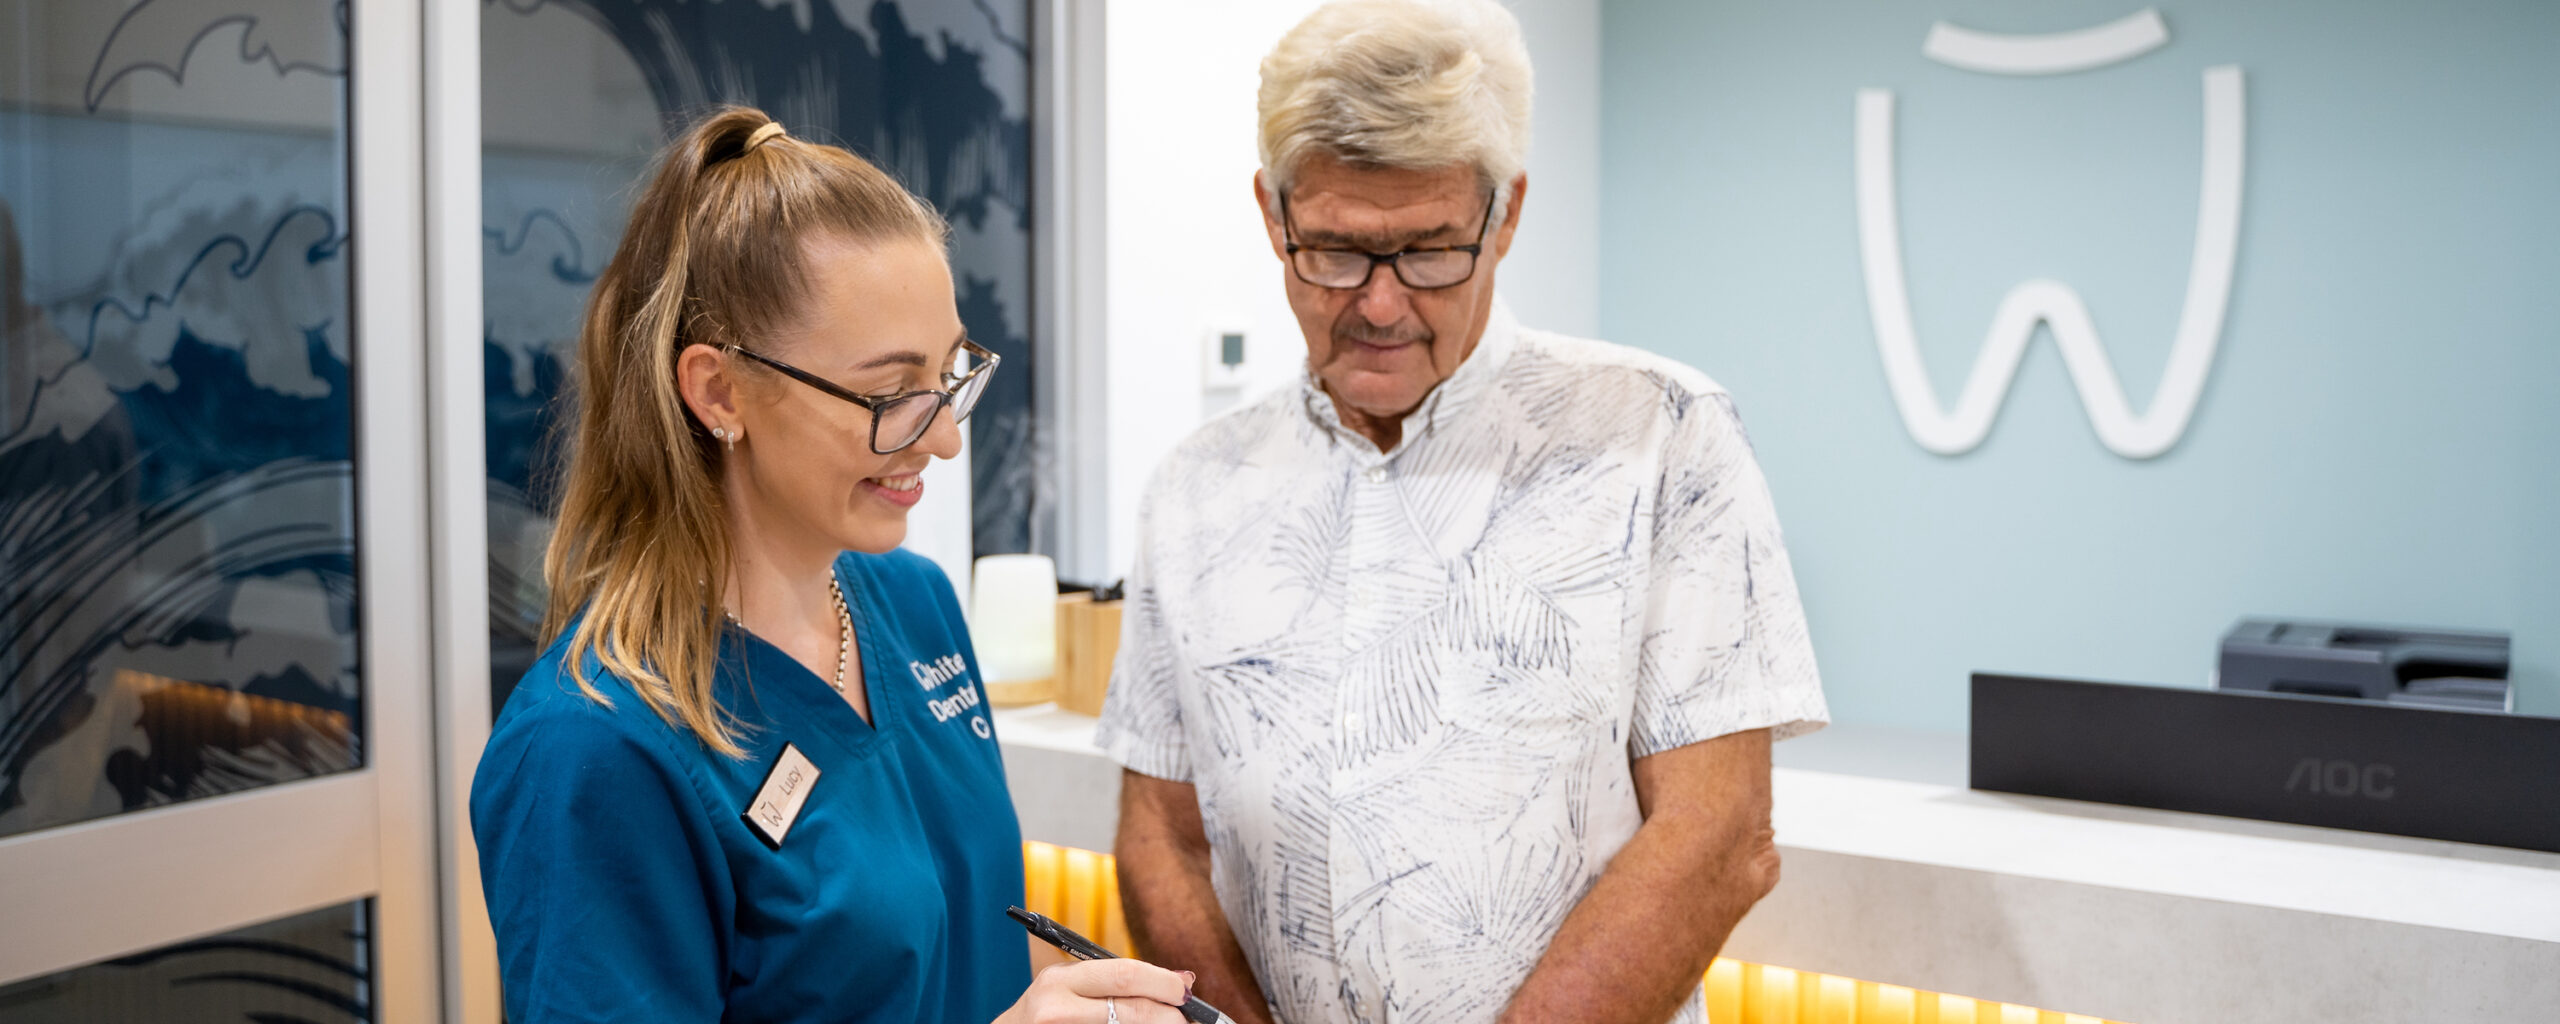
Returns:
(1640, 940)
(1171, 904)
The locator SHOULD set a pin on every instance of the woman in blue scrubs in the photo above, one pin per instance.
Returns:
(753, 779)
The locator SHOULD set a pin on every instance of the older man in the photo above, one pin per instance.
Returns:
(1450, 676)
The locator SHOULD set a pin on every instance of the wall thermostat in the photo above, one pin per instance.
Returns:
(1222, 361)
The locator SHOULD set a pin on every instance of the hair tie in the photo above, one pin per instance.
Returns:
(770, 129)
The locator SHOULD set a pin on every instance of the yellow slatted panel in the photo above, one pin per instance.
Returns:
(1043, 866)
(1768, 994)
(1839, 999)
(1887, 1004)
(1081, 889)
(1079, 897)
(1810, 998)
(1724, 990)
(1114, 935)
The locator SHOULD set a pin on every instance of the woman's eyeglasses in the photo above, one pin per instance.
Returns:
(900, 420)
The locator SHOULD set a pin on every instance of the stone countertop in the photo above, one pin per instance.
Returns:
(1895, 872)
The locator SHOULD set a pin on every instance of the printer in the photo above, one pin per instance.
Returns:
(2428, 667)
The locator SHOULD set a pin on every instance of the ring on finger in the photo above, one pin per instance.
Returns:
(1110, 1012)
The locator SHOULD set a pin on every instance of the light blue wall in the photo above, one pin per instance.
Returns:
(2378, 439)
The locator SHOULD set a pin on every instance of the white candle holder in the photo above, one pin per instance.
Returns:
(1013, 621)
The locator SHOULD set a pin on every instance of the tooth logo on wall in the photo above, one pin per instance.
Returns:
(2093, 375)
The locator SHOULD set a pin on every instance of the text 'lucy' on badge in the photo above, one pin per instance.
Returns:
(785, 791)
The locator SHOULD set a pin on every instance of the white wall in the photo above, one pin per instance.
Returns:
(1552, 277)
(1186, 252)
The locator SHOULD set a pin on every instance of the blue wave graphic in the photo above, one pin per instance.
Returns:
(160, 35)
(137, 510)
(569, 267)
(250, 259)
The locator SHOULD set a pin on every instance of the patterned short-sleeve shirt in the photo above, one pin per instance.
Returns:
(1409, 685)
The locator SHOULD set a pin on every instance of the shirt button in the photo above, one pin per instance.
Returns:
(1351, 723)
(1377, 474)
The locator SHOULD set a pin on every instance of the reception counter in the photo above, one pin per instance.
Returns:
(1894, 872)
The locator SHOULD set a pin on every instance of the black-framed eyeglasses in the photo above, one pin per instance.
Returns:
(901, 419)
(1420, 269)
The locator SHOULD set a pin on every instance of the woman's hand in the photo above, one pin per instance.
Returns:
(1099, 991)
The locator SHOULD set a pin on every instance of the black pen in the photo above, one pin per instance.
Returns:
(1082, 948)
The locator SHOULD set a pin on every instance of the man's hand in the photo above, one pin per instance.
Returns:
(1173, 910)
(1640, 941)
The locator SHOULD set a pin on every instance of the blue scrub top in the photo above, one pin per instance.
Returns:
(624, 885)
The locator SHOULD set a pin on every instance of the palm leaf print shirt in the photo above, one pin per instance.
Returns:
(1408, 684)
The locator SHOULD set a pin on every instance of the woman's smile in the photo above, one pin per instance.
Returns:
(903, 490)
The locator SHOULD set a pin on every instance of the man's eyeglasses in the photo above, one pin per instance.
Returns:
(1421, 269)
(900, 420)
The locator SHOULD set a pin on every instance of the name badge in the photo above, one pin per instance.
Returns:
(777, 804)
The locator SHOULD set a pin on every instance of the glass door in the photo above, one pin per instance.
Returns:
(216, 800)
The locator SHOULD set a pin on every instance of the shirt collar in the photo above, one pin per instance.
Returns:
(1446, 402)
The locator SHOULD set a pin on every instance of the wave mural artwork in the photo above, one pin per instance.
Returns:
(178, 607)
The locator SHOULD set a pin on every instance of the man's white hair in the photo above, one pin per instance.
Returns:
(1409, 84)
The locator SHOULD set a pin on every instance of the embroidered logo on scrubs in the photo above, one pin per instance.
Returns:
(943, 669)
(961, 701)
(786, 789)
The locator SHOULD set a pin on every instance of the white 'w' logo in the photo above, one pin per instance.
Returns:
(2134, 436)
